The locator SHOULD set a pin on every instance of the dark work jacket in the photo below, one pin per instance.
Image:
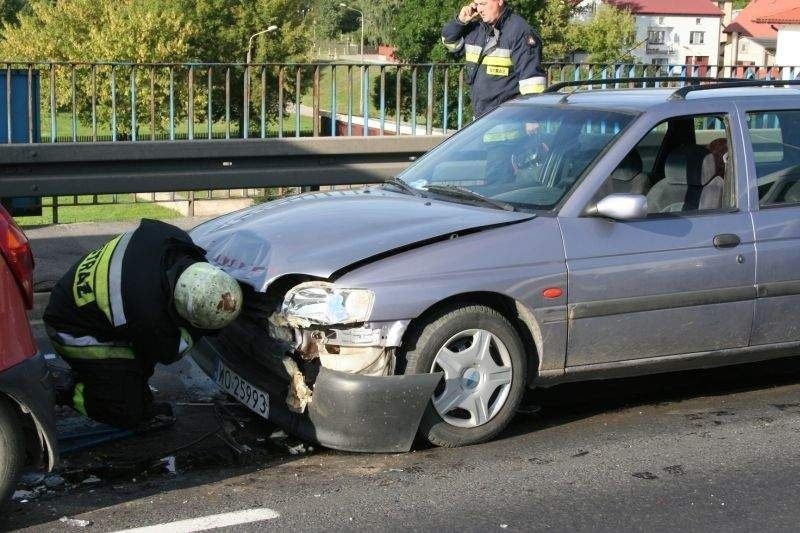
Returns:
(122, 294)
(511, 62)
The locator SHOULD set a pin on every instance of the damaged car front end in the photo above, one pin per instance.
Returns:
(309, 352)
(327, 374)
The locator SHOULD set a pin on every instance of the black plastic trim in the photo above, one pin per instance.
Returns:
(349, 412)
(660, 301)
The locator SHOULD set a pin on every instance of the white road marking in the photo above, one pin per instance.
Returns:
(208, 522)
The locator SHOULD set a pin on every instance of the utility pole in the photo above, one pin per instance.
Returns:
(246, 111)
(361, 91)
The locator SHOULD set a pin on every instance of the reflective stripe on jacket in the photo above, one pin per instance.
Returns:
(503, 60)
(116, 302)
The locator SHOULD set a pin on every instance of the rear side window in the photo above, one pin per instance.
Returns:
(775, 139)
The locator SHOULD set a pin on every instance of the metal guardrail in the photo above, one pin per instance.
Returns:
(97, 168)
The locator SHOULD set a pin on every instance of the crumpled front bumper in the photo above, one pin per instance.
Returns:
(349, 412)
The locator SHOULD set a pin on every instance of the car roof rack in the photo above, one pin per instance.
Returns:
(681, 93)
(651, 79)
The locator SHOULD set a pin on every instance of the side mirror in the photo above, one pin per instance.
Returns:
(621, 207)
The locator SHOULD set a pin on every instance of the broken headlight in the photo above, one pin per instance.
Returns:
(319, 302)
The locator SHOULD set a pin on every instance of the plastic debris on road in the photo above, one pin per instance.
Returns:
(75, 522)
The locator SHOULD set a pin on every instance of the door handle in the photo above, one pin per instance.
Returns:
(726, 240)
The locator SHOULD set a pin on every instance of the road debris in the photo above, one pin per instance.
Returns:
(300, 449)
(54, 481)
(91, 480)
(23, 496)
(75, 522)
(169, 464)
(32, 479)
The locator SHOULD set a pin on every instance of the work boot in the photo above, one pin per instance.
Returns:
(63, 381)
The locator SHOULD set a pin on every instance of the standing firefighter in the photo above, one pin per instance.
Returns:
(139, 300)
(503, 53)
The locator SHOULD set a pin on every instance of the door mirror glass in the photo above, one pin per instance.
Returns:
(621, 207)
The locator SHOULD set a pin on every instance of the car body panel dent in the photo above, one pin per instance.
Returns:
(259, 244)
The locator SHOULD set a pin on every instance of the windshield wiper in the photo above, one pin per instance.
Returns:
(403, 186)
(466, 194)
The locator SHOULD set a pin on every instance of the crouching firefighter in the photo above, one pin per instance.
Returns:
(141, 299)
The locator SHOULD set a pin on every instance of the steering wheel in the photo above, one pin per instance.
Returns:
(531, 154)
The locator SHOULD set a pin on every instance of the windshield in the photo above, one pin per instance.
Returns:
(526, 156)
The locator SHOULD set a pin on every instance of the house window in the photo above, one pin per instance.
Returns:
(656, 36)
(696, 37)
(661, 20)
(697, 21)
(743, 46)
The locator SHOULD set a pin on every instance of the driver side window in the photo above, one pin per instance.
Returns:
(681, 166)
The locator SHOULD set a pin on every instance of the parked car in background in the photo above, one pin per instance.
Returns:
(562, 237)
(27, 434)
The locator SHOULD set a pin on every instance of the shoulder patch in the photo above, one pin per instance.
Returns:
(531, 40)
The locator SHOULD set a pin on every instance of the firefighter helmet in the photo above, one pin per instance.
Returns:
(207, 297)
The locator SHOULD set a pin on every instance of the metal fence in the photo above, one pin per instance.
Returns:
(80, 102)
(58, 103)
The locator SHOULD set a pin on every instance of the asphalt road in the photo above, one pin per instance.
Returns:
(709, 450)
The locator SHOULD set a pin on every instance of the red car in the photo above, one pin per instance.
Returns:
(27, 430)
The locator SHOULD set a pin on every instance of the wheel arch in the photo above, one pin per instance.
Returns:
(39, 446)
(521, 318)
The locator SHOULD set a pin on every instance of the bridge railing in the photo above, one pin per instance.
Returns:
(113, 101)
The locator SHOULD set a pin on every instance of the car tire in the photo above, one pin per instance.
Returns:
(485, 370)
(12, 449)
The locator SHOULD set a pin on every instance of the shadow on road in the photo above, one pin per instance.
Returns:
(575, 401)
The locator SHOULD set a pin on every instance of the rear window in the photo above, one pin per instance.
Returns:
(775, 140)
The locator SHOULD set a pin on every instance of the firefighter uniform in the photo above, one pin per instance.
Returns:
(111, 317)
(503, 59)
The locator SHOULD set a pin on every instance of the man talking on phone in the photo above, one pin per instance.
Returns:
(503, 53)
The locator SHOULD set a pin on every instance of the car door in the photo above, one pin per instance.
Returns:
(680, 281)
(774, 137)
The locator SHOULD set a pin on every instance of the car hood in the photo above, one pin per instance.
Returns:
(318, 234)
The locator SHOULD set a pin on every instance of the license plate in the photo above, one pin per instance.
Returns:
(251, 396)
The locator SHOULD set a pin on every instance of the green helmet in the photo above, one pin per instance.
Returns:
(207, 297)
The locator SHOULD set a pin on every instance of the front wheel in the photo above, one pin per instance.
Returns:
(484, 367)
(12, 449)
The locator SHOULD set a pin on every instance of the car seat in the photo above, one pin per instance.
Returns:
(628, 176)
(690, 182)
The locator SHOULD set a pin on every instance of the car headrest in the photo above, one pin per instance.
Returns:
(719, 147)
(629, 168)
(689, 165)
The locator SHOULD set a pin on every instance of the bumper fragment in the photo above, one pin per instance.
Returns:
(350, 412)
(28, 383)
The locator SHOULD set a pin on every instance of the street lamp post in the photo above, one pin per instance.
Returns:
(246, 114)
(361, 91)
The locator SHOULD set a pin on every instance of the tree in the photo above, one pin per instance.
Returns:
(608, 37)
(381, 19)
(553, 21)
(9, 10)
(150, 31)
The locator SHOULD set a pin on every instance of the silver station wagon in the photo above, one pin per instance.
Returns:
(567, 236)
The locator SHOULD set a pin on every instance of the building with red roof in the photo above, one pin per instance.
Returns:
(766, 32)
(672, 32)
